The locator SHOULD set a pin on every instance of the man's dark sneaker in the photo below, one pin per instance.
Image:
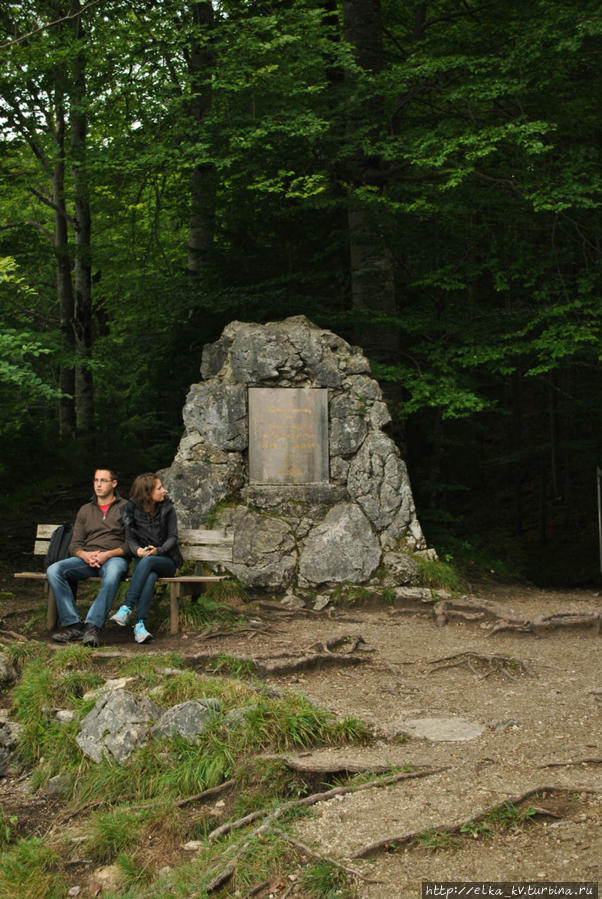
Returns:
(91, 636)
(69, 633)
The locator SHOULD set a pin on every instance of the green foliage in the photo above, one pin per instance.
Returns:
(471, 149)
(165, 768)
(112, 832)
(350, 593)
(294, 723)
(325, 880)
(204, 610)
(26, 378)
(26, 870)
(225, 664)
(7, 824)
(228, 590)
(476, 829)
(438, 574)
(436, 840)
(263, 783)
(510, 816)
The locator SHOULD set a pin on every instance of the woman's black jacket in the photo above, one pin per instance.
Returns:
(159, 529)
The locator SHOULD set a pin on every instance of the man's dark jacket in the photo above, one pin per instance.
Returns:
(94, 531)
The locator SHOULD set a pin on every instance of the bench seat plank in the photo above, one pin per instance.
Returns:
(205, 537)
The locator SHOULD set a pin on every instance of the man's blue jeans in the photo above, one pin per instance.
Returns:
(61, 575)
(142, 585)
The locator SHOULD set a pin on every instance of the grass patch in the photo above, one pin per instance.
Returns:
(203, 611)
(350, 593)
(438, 575)
(139, 826)
(228, 590)
(37, 619)
(189, 685)
(28, 871)
(499, 820)
(476, 829)
(113, 831)
(264, 782)
(323, 880)
(19, 654)
(293, 722)
(509, 816)
(436, 840)
(7, 825)
(226, 664)
(264, 858)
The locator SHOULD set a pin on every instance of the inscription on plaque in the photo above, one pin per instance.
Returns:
(288, 435)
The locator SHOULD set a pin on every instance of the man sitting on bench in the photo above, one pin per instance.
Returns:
(99, 549)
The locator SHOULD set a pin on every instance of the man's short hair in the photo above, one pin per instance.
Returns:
(111, 471)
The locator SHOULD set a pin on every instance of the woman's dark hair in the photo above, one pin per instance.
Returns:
(142, 489)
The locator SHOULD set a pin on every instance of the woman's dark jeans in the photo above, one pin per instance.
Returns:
(142, 584)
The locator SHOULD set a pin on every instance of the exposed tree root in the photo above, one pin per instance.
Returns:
(304, 767)
(354, 643)
(571, 762)
(12, 635)
(465, 608)
(238, 849)
(211, 793)
(312, 854)
(220, 879)
(256, 889)
(318, 797)
(545, 623)
(211, 633)
(284, 663)
(284, 611)
(506, 665)
(397, 840)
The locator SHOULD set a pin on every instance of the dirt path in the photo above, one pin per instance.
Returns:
(538, 729)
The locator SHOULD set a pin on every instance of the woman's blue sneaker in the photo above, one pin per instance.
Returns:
(141, 635)
(122, 616)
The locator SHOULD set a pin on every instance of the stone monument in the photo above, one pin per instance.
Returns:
(284, 448)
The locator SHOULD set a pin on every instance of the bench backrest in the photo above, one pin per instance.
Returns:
(195, 545)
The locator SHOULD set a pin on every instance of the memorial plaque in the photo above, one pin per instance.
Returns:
(288, 435)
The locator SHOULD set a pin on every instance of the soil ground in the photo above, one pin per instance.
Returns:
(540, 731)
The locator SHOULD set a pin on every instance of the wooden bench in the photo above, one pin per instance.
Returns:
(195, 545)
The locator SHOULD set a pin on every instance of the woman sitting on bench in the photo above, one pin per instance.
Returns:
(151, 530)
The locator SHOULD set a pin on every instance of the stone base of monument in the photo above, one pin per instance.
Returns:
(284, 449)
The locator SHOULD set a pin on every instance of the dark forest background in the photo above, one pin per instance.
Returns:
(424, 178)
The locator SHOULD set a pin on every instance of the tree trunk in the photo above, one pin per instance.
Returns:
(204, 179)
(371, 261)
(64, 286)
(82, 319)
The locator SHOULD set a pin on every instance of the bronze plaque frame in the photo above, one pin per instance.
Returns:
(288, 435)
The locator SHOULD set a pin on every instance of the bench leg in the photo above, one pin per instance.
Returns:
(51, 616)
(174, 608)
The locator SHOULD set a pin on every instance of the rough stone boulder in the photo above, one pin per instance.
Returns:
(188, 719)
(118, 724)
(343, 547)
(10, 731)
(304, 533)
(7, 672)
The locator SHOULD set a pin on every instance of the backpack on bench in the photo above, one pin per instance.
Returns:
(58, 548)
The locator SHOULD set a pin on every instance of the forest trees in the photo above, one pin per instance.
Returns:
(422, 175)
(43, 103)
